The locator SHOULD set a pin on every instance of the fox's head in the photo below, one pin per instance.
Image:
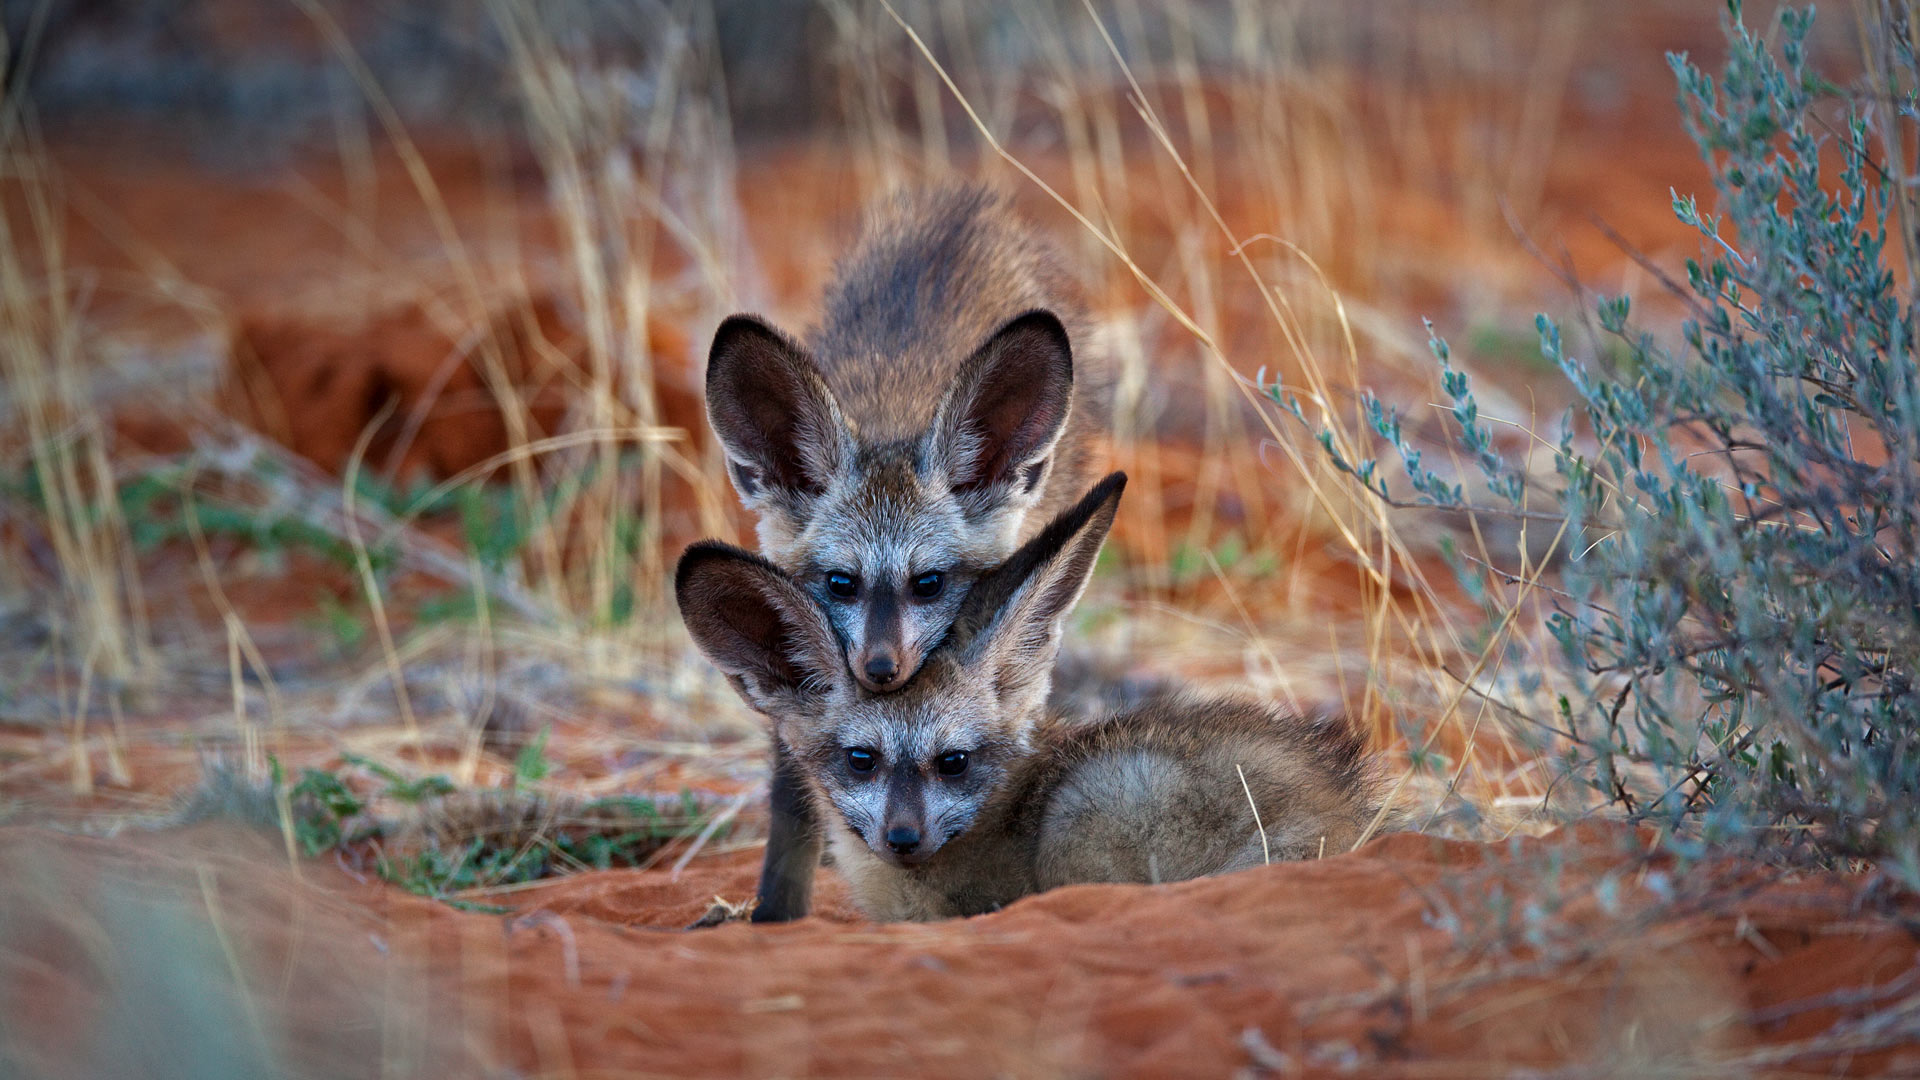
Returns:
(889, 534)
(907, 771)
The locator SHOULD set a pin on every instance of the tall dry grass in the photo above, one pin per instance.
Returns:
(1223, 174)
(59, 442)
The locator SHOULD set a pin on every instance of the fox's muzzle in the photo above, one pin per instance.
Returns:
(903, 835)
(879, 660)
(880, 668)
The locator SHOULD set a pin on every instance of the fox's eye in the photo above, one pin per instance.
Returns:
(860, 759)
(842, 584)
(952, 764)
(928, 585)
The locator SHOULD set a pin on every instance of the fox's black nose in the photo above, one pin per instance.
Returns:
(902, 840)
(882, 670)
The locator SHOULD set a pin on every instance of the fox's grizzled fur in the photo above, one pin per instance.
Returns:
(961, 793)
(940, 413)
(945, 407)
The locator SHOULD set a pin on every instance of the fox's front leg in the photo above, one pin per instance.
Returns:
(793, 845)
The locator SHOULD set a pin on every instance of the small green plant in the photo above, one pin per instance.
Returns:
(156, 509)
(447, 840)
(322, 806)
(531, 766)
(406, 789)
(493, 529)
(1189, 563)
(345, 627)
(1742, 617)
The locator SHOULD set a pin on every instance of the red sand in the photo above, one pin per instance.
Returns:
(1300, 969)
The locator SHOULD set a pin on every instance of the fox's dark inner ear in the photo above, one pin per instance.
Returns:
(1008, 406)
(762, 642)
(752, 621)
(1040, 582)
(773, 413)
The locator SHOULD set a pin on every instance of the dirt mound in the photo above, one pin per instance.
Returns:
(1409, 958)
(316, 386)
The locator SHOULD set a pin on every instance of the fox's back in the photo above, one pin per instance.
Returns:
(1168, 791)
(933, 275)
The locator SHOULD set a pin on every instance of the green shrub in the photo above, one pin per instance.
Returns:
(1743, 623)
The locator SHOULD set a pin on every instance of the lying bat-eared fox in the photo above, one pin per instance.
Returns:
(944, 408)
(959, 792)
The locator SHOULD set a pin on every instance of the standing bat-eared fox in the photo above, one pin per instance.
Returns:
(934, 420)
(961, 792)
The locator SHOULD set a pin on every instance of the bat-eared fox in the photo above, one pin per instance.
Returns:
(960, 792)
(946, 406)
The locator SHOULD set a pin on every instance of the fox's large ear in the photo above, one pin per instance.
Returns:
(1010, 621)
(775, 417)
(1006, 410)
(768, 637)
